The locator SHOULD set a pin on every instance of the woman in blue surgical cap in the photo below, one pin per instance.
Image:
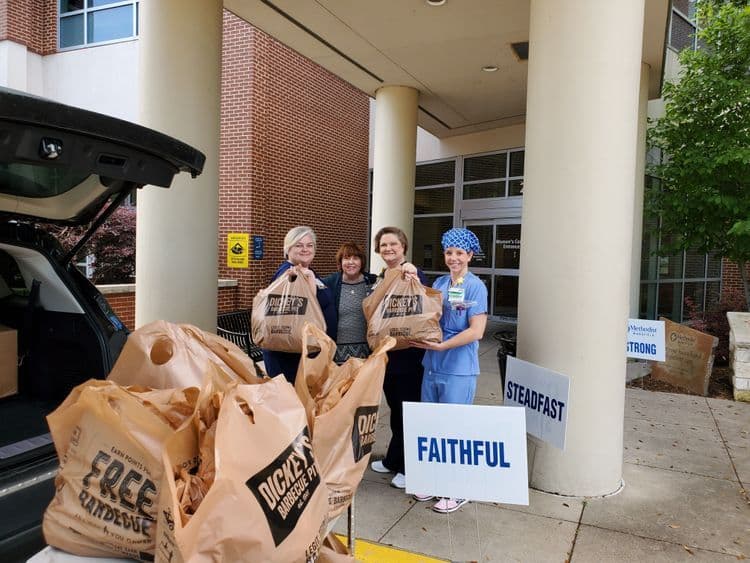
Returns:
(451, 367)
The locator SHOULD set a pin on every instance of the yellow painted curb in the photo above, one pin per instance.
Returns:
(371, 552)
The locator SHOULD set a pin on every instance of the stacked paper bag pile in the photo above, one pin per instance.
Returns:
(187, 453)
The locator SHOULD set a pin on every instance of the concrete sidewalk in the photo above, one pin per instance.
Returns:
(686, 468)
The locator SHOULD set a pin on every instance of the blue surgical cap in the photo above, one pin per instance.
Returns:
(461, 238)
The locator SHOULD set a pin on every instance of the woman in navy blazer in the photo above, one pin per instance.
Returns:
(299, 251)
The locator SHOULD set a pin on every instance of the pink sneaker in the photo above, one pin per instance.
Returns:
(423, 498)
(448, 505)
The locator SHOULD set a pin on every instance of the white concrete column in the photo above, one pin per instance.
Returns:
(13, 65)
(581, 137)
(640, 173)
(394, 162)
(180, 69)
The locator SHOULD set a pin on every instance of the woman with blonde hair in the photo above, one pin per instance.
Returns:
(299, 251)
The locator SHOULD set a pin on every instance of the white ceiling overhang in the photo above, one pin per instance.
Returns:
(440, 51)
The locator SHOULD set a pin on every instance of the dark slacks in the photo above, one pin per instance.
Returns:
(400, 387)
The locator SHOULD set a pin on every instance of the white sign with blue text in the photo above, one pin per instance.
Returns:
(544, 395)
(474, 452)
(646, 340)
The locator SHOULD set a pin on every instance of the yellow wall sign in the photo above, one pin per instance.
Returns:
(238, 245)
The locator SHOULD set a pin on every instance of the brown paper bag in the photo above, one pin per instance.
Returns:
(404, 309)
(110, 441)
(342, 409)
(281, 310)
(334, 551)
(266, 502)
(165, 355)
(192, 484)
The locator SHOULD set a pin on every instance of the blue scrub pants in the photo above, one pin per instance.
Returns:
(446, 388)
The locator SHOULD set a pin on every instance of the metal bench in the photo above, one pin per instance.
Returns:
(235, 327)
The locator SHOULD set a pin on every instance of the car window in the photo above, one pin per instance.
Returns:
(11, 280)
(29, 180)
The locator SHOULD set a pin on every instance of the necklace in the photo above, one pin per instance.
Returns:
(352, 285)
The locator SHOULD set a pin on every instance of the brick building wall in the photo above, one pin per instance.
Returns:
(123, 305)
(294, 151)
(731, 281)
(32, 24)
(123, 301)
(293, 145)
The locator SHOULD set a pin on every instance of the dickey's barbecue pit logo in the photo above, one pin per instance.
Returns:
(401, 306)
(285, 486)
(363, 431)
(285, 305)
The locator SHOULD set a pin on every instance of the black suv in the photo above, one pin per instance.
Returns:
(67, 166)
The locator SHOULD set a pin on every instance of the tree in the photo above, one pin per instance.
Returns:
(702, 197)
(113, 245)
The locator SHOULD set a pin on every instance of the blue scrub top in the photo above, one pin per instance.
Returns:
(463, 360)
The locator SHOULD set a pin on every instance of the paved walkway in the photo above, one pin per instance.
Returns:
(686, 468)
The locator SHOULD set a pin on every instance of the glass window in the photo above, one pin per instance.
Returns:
(433, 200)
(670, 301)
(96, 21)
(507, 246)
(435, 174)
(713, 293)
(647, 305)
(486, 176)
(682, 33)
(649, 245)
(714, 265)
(484, 234)
(516, 163)
(71, 31)
(486, 167)
(431, 278)
(515, 187)
(665, 284)
(11, 274)
(70, 6)
(694, 292)
(38, 181)
(670, 267)
(97, 3)
(506, 296)
(487, 280)
(695, 264)
(427, 253)
(686, 7)
(113, 23)
(485, 189)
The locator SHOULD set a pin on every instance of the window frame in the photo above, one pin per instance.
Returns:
(688, 20)
(657, 279)
(85, 12)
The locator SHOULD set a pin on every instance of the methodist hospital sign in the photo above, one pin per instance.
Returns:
(466, 451)
(646, 340)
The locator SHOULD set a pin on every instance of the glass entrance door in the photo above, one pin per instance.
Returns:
(498, 264)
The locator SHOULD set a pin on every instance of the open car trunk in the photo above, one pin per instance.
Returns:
(67, 166)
